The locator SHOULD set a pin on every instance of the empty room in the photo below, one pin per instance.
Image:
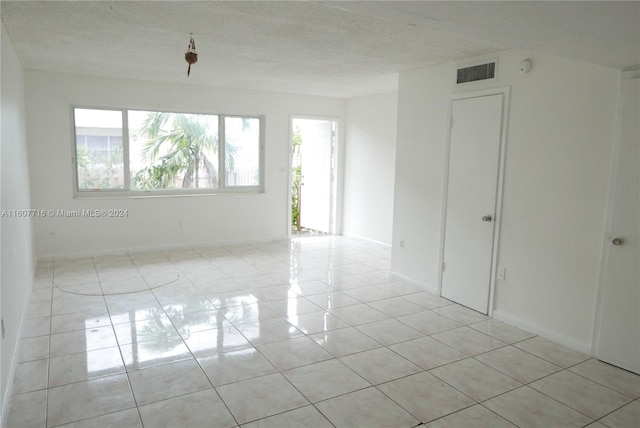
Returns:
(320, 214)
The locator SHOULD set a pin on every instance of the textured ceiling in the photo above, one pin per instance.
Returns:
(339, 49)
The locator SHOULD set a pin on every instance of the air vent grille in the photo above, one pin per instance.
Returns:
(476, 72)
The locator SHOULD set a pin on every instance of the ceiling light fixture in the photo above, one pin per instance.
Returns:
(191, 55)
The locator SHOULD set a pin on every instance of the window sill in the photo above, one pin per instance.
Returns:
(146, 194)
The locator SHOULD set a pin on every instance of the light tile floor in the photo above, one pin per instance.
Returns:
(307, 332)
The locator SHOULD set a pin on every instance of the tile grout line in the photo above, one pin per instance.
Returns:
(187, 346)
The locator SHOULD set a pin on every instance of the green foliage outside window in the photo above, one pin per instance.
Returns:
(296, 179)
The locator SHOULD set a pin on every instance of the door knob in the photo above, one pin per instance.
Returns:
(486, 218)
(617, 241)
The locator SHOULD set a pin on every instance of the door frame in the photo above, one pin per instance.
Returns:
(608, 228)
(506, 92)
(335, 221)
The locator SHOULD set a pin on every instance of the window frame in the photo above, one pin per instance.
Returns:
(128, 192)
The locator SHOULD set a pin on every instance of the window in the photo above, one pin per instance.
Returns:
(242, 148)
(171, 151)
(99, 149)
(151, 152)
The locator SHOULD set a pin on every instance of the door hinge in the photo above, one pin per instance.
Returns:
(2, 322)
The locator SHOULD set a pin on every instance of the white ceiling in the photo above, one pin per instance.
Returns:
(341, 49)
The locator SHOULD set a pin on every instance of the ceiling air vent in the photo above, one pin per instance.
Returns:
(476, 72)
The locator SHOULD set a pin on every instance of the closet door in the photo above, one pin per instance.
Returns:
(619, 330)
(472, 186)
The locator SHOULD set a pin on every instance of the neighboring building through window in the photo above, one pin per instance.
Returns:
(99, 149)
(132, 151)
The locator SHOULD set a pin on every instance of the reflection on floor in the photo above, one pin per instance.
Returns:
(306, 332)
(305, 232)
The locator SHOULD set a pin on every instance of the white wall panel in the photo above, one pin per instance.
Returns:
(370, 166)
(16, 233)
(558, 150)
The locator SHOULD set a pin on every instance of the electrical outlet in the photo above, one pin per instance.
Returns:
(502, 273)
(402, 243)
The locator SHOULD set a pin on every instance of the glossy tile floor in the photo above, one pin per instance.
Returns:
(308, 332)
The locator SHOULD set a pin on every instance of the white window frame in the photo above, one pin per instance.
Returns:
(128, 192)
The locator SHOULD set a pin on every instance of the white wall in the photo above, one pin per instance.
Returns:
(155, 222)
(370, 166)
(17, 247)
(559, 144)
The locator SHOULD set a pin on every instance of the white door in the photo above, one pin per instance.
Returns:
(316, 157)
(619, 337)
(474, 162)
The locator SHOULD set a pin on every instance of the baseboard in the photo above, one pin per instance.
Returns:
(543, 332)
(364, 238)
(159, 247)
(411, 281)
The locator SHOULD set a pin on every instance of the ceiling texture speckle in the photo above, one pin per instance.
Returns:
(339, 49)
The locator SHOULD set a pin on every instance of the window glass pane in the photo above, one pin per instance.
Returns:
(173, 150)
(242, 151)
(99, 154)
